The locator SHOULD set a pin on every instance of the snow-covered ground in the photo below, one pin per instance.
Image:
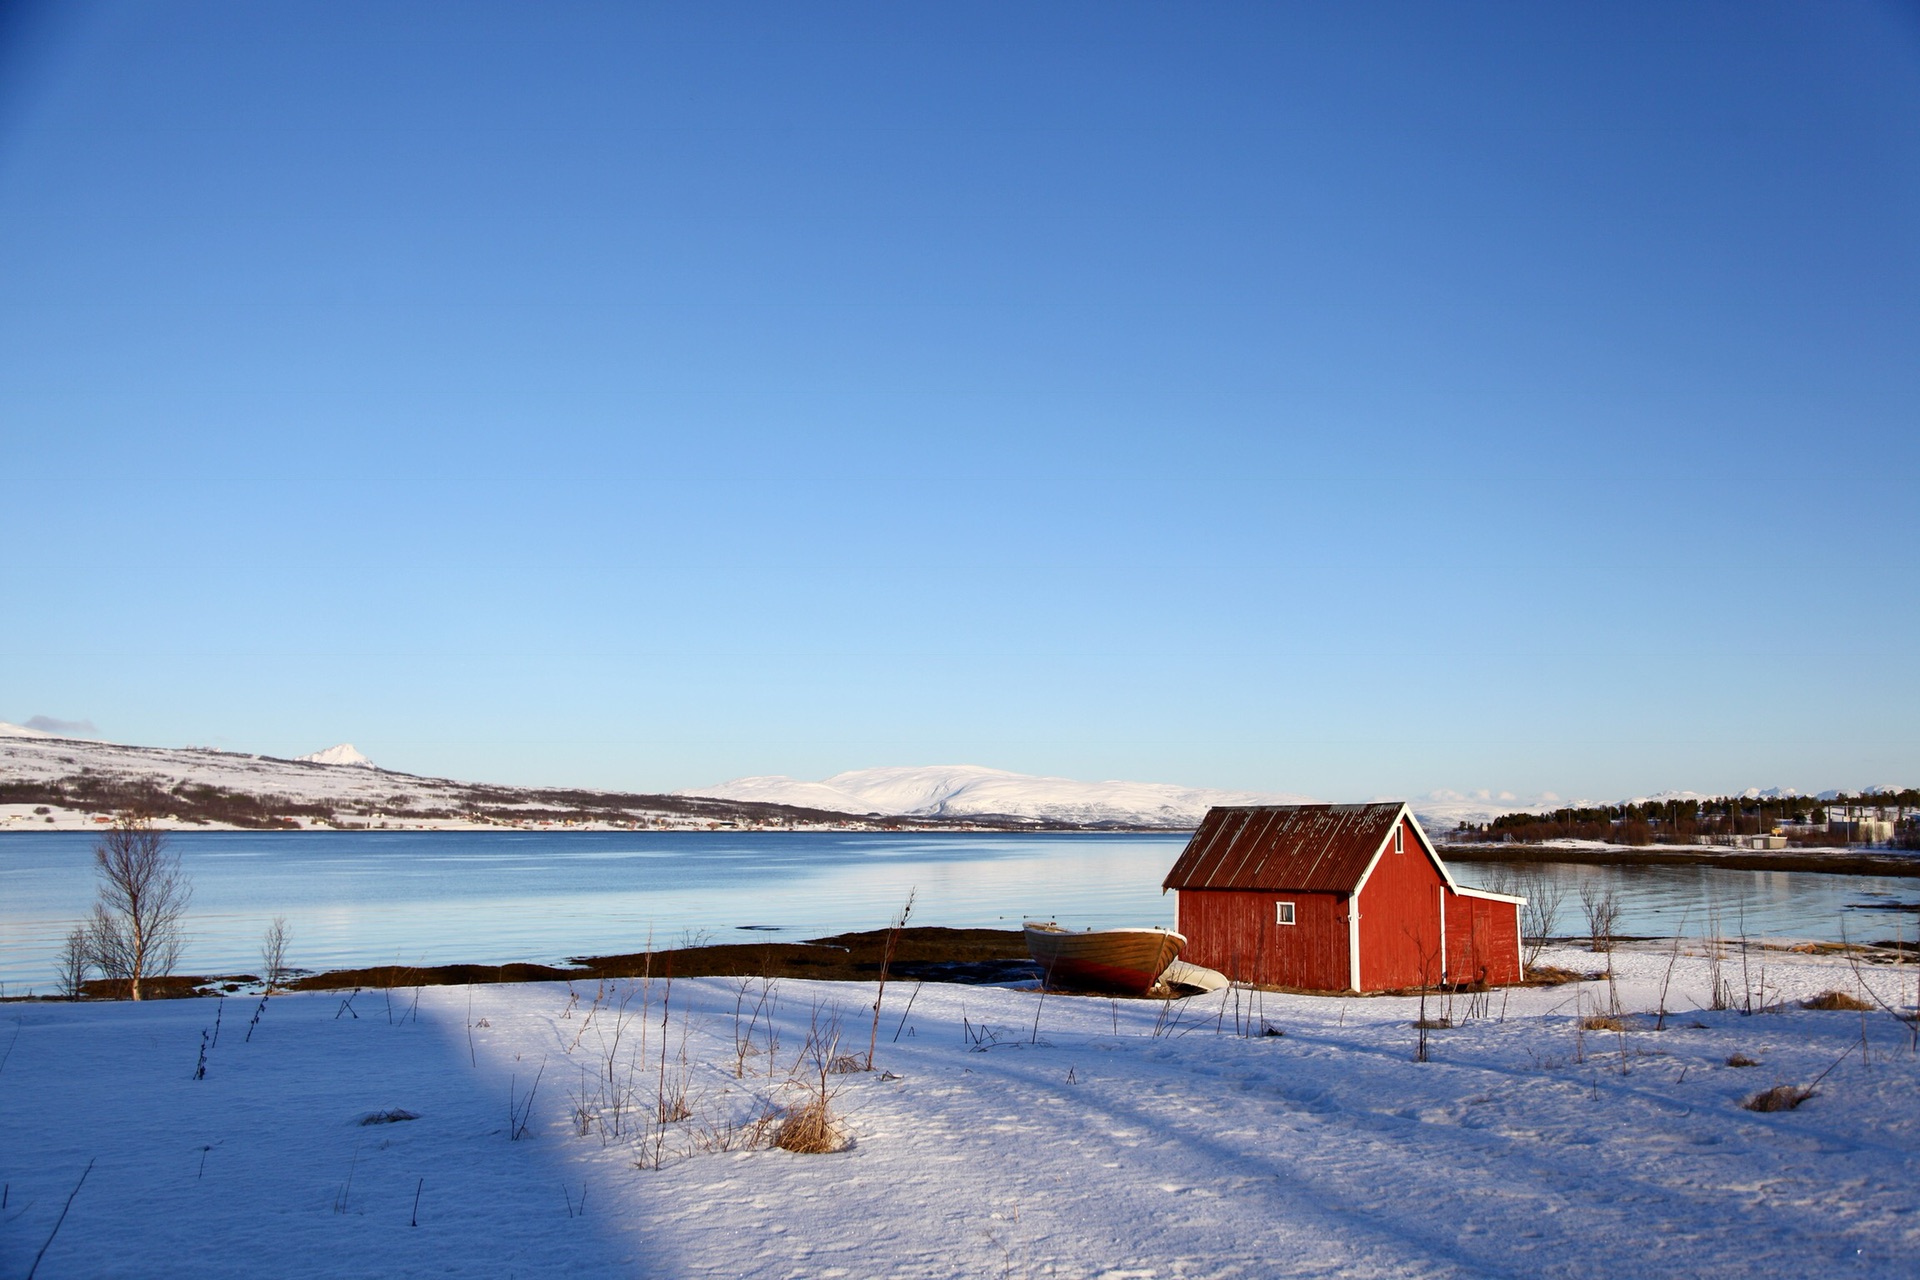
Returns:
(981, 1147)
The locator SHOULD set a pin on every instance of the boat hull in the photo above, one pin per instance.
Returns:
(1123, 961)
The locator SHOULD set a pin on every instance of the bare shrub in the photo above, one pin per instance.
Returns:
(1429, 961)
(134, 933)
(1602, 909)
(1539, 917)
(74, 963)
(743, 1045)
(273, 952)
(1837, 1000)
(886, 963)
(1666, 979)
(1782, 1097)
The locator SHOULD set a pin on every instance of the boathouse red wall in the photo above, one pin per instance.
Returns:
(1238, 934)
(1483, 939)
(1415, 926)
(1400, 917)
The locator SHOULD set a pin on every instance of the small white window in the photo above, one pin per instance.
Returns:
(1283, 912)
(1399, 839)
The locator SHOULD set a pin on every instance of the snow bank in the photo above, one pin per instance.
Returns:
(1119, 1139)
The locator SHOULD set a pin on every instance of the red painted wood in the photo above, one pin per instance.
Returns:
(1483, 940)
(1235, 932)
(1400, 919)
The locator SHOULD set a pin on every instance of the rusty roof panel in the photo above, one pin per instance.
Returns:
(1303, 848)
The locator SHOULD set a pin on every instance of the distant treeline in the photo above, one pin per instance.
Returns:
(1665, 821)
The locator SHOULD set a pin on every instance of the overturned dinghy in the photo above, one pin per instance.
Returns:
(1124, 961)
(1184, 978)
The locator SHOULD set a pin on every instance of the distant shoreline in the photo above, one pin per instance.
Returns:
(878, 826)
(1827, 861)
(1836, 861)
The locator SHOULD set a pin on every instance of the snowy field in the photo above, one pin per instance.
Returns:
(1127, 1139)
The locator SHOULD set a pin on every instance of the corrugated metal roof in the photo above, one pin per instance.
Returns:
(1305, 848)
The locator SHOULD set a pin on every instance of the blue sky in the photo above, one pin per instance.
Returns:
(1341, 399)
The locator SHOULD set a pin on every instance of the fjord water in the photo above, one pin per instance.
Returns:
(431, 897)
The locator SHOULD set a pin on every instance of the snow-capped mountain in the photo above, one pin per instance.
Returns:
(21, 731)
(345, 753)
(973, 791)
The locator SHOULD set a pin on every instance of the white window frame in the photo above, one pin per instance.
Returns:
(1283, 913)
(1400, 839)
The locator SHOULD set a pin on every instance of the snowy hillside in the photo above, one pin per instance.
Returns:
(51, 783)
(971, 791)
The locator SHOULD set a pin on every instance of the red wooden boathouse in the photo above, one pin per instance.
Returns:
(1336, 897)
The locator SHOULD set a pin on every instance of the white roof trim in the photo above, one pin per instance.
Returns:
(1489, 894)
(1432, 852)
(1433, 855)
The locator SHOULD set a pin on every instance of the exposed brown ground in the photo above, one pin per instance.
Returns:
(951, 955)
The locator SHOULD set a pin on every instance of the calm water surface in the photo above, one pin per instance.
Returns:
(357, 898)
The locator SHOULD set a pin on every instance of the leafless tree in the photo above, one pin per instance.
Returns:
(273, 952)
(135, 930)
(1540, 916)
(74, 963)
(1602, 908)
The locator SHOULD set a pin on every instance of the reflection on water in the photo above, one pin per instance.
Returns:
(356, 898)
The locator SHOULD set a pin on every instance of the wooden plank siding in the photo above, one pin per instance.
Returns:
(1400, 919)
(1235, 932)
(1483, 940)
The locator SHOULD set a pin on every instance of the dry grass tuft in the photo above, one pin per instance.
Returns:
(1741, 1060)
(394, 1116)
(1547, 975)
(845, 1064)
(1602, 1022)
(1782, 1097)
(808, 1129)
(738, 1135)
(1836, 1000)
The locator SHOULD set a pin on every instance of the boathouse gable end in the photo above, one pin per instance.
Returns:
(1374, 906)
(1400, 933)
